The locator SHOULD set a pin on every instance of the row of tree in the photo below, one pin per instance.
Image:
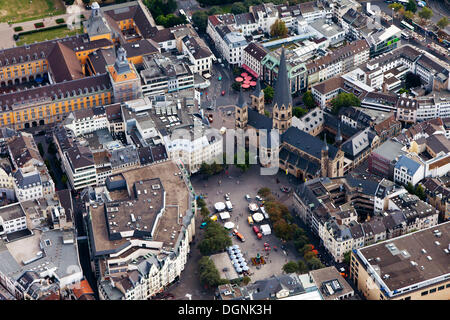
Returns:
(312, 262)
(408, 11)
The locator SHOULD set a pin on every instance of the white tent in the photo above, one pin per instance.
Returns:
(253, 207)
(229, 225)
(219, 206)
(225, 215)
(265, 229)
(258, 217)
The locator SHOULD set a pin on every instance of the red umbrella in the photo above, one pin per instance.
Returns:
(246, 81)
(248, 78)
(244, 74)
(239, 79)
(253, 83)
(245, 86)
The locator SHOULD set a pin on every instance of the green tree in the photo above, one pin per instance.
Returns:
(200, 20)
(411, 6)
(344, 99)
(426, 13)
(246, 280)
(306, 248)
(206, 169)
(309, 255)
(442, 23)
(408, 15)
(268, 94)
(302, 267)
(201, 202)
(215, 239)
(236, 86)
(215, 10)
(64, 179)
(299, 112)
(238, 7)
(267, 113)
(264, 192)
(395, 6)
(208, 272)
(204, 211)
(314, 263)
(420, 192)
(290, 267)
(308, 99)
(278, 29)
(347, 256)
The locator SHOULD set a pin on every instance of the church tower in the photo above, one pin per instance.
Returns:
(282, 101)
(258, 98)
(241, 114)
(125, 80)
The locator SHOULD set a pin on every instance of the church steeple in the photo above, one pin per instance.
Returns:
(258, 98)
(241, 112)
(282, 87)
(282, 101)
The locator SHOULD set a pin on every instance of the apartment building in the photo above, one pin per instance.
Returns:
(12, 219)
(253, 55)
(199, 55)
(138, 259)
(339, 61)
(374, 269)
(86, 121)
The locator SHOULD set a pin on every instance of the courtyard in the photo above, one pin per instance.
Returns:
(237, 185)
(26, 10)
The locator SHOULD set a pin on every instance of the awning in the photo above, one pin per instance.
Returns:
(249, 70)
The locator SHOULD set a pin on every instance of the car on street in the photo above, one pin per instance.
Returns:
(255, 229)
(248, 197)
(203, 225)
(220, 78)
(285, 189)
(223, 92)
(258, 198)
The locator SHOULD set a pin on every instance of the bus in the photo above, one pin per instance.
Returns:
(407, 25)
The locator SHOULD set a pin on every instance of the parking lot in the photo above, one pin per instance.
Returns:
(239, 184)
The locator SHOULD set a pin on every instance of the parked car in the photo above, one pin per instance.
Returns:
(259, 235)
(247, 197)
(203, 225)
(258, 198)
(223, 92)
(250, 220)
(255, 229)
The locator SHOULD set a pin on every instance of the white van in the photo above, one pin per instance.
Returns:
(229, 205)
(266, 216)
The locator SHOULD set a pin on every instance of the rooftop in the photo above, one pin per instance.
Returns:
(410, 259)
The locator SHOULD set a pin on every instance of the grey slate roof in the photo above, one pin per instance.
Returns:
(282, 86)
(307, 143)
(241, 101)
(259, 121)
(25, 181)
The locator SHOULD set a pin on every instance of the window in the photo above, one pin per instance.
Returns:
(433, 290)
(424, 293)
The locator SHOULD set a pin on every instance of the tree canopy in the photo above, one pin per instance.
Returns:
(411, 6)
(308, 99)
(290, 267)
(426, 13)
(208, 272)
(442, 23)
(408, 15)
(299, 112)
(268, 94)
(314, 263)
(278, 29)
(215, 239)
(344, 99)
(396, 6)
(238, 7)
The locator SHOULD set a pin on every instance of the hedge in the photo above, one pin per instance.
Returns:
(17, 29)
(45, 29)
(39, 25)
(59, 20)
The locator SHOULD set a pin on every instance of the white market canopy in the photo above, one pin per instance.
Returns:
(258, 217)
(219, 206)
(253, 207)
(229, 225)
(225, 215)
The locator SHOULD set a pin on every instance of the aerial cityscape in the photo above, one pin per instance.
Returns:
(225, 151)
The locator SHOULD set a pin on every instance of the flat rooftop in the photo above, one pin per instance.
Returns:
(327, 275)
(168, 226)
(12, 211)
(405, 261)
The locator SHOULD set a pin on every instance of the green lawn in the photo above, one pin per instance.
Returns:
(25, 10)
(47, 35)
